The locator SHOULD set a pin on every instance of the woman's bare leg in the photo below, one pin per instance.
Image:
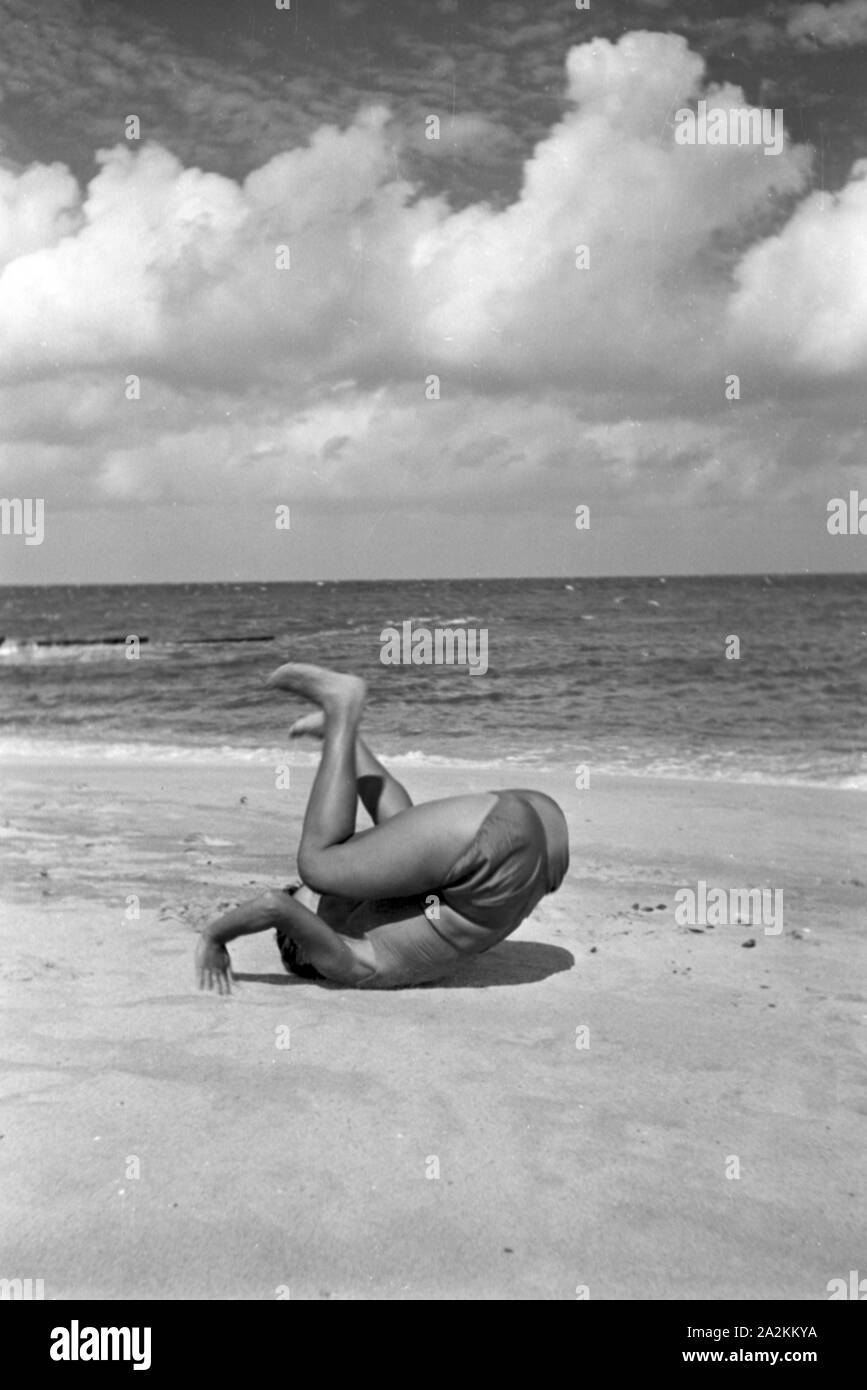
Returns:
(411, 852)
(330, 815)
(408, 851)
(379, 791)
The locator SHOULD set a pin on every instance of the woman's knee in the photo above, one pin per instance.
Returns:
(312, 870)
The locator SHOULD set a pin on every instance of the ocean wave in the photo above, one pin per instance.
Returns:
(474, 691)
(319, 634)
(547, 762)
(433, 618)
(17, 651)
(85, 750)
(417, 758)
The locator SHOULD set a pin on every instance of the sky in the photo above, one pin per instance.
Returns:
(272, 289)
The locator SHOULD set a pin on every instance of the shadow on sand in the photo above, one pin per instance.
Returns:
(510, 963)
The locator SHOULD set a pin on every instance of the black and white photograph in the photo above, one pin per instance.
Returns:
(433, 663)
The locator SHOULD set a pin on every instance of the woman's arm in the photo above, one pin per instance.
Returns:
(336, 957)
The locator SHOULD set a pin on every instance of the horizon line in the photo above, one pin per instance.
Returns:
(430, 579)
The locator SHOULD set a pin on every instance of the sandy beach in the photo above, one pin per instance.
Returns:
(445, 1142)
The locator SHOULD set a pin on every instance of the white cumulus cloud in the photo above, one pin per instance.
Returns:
(831, 26)
(698, 266)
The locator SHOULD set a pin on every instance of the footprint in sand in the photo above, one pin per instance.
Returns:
(16, 974)
(194, 914)
(198, 841)
(30, 968)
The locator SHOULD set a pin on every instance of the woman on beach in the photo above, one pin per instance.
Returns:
(415, 894)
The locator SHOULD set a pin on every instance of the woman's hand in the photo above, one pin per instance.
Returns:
(213, 965)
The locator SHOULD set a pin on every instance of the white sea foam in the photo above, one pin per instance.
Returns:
(26, 749)
(21, 653)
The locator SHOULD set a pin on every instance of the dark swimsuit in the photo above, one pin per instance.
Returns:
(519, 853)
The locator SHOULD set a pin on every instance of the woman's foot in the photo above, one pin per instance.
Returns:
(309, 725)
(331, 690)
